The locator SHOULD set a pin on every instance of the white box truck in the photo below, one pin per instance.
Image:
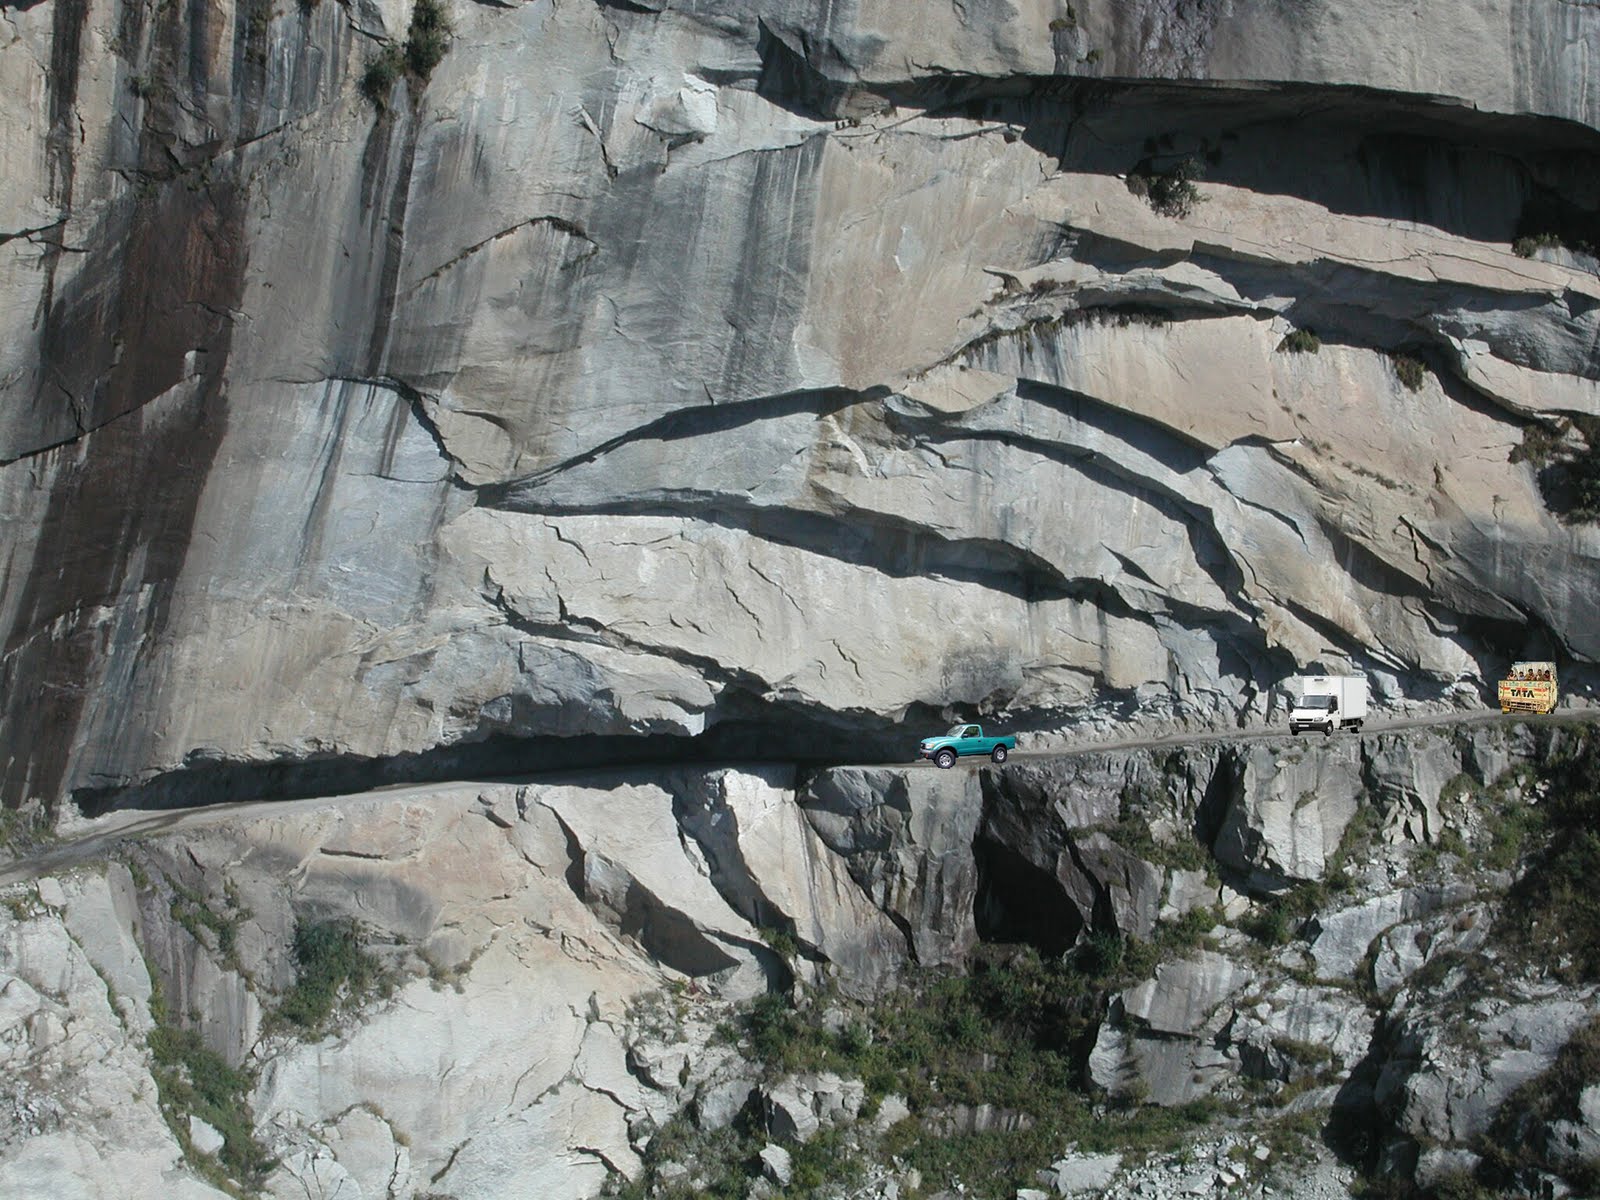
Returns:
(1327, 702)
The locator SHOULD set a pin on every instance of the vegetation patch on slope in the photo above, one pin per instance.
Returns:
(194, 1080)
(333, 969)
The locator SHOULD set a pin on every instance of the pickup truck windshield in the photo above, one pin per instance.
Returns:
(1315, 701)
(963, 731)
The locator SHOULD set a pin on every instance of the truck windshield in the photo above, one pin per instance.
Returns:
(957, 731)
(1315, 701)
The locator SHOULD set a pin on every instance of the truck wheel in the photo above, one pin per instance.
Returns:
(945, 759)
(998, 754)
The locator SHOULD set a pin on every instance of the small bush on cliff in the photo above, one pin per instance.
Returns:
(1552, 914)
(1527, 247)
(1517, 1140)
(1410, 371)
(1567, 458)
(1300, 341)
(428, 38)
(1172, 192)
(194, 1080)
(383, 71)
(332, 967)
(1008, 1034)
(427, 42)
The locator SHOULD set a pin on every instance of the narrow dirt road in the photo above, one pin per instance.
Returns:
(86, 840)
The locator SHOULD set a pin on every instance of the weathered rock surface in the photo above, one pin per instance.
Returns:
(655, 372)
(1289, 814)
(563, 951)
(81, 1116)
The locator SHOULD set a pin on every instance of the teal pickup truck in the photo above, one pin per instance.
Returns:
(965, 739)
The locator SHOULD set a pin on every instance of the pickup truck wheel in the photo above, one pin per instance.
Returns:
(945, 759)
(998, 754)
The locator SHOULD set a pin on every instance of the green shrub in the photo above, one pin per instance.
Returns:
(427, 41)
(331, 967)
(25, 829)
(1410, 370)
(1552, 913)
(1300, 341)
(1171, 193)
(1540, 443)
(193, 1080)
(1526, 247)
(428, 38)
(194, 912)
(1269, 924)
(382, 73)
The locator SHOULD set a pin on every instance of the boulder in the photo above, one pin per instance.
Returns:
(1405, 775)
(1183, 995)
(776, 1165)
(1077, 1175)
(204, 1137)
(719, 1105)
(790, 1116)
(1340, 939)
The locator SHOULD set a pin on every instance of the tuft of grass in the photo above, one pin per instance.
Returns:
(1300, 341)
(332, 968)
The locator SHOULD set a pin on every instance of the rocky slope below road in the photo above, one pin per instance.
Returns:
(1321, 958)
(761, 368)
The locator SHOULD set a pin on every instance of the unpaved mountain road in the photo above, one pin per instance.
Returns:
(86, 839)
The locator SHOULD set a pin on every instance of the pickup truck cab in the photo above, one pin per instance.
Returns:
(964, 739)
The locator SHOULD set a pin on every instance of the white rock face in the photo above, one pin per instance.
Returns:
(81, 1114)
(1289, 814)
(656, 373)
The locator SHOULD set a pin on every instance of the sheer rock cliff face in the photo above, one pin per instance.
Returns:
(762, 368)
(561, 954)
